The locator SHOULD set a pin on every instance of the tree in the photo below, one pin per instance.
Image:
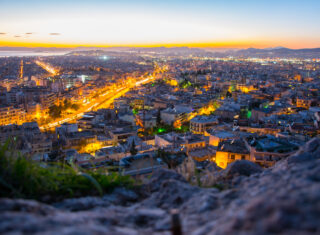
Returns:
(133, 149)
(75, 107)
(66, 105)
(171, 160)
(55, 111)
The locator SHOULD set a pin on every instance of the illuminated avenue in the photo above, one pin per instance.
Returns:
(104, 100)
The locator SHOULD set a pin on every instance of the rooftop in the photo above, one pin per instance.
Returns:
(204, 119)
(233, 146)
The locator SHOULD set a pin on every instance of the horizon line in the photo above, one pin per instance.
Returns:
(148, 46)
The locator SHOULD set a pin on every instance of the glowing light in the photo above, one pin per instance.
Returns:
(160, 130)
(177, 124)
(47, 67)
(172, 82)
(83, 78)
(249, 114)
(100, 103)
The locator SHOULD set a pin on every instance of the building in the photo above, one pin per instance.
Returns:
(47, 100)
(171, 115)
(215, 137)
(304, 102)
(31, 139)
(141, 164)
(200, 123)
(229, 151)
(11, 115)
(267, 150)
(121, 134)
(259, 114)
(202, 154)
(113, 152)
(179, 142)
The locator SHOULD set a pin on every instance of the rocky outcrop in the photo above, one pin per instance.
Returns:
(243, 167)
(283, 199)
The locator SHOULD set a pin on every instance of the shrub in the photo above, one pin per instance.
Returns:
(23, 178)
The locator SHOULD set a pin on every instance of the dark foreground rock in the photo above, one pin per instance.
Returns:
(243, 167)
(284, 199)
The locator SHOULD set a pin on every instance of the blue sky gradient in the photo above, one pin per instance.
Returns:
(215, 23)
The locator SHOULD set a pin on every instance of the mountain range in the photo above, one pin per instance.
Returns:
(250, 52)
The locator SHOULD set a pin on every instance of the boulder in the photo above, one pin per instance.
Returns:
(81, 204)
(310, 151)
(241, 167)
(28, 206)
(154, 183)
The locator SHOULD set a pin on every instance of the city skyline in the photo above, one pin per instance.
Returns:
(215, 24)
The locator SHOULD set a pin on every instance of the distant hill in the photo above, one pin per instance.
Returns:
(279, 52)
(250, 52)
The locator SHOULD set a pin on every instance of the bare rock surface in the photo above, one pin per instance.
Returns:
(284, 199)
(243, 167)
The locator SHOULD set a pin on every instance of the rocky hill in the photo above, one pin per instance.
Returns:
(284, 199)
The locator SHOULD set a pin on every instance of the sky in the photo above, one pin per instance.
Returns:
(194, 23)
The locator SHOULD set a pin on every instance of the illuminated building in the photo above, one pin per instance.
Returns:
(229, 151)
(215, 137)
(11, 115)
(245, 88)
(304, 102)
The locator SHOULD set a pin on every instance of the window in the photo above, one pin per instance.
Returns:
(232, 157)
(243, 157)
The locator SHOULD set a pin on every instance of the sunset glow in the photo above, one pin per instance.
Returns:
(154, 23)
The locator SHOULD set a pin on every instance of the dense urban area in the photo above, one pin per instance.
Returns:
(135, 111)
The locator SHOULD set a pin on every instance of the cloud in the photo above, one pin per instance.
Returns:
(54, 34)
(2, 33)
(29, 33)
(17, 36)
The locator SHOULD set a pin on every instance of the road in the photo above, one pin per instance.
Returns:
(53, 71)
(104, 100)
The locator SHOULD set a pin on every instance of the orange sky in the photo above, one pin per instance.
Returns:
(242, 44)
(140, 23)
